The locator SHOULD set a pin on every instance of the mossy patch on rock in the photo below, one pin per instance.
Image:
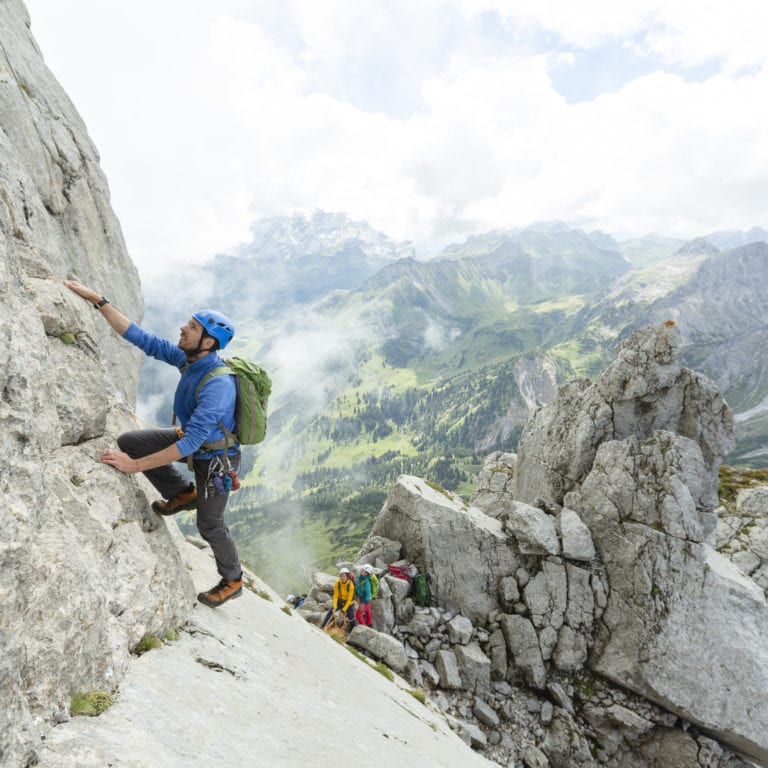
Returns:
(90, 703)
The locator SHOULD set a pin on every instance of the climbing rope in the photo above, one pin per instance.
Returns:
(139, 421)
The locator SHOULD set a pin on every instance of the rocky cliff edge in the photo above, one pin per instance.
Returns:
(84, 573)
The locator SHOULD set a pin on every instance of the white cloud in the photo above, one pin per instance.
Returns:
(431, 121)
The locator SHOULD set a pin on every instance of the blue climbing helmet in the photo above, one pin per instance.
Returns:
(216, 325)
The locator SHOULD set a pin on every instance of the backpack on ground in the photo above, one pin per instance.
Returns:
(374, 586)
(253, 389)
(420, 592)
(400, 573)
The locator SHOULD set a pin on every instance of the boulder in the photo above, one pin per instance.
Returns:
(379, 645)
(448, 669)
(523, 645)
(465, 551)
(486, 714)
(576, 538)
(383, 613)
(474, 667)
(378, 549)
(460, 630)
(533, 529)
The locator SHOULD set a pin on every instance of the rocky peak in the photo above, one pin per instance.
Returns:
(645, 390)
(287, 238)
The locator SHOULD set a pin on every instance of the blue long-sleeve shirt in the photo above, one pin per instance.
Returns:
(198, 416)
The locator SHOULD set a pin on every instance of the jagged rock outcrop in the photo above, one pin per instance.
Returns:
(82, 575)
(598, 624)
(644, 390)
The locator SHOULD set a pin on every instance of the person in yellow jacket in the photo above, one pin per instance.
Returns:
(343, 599)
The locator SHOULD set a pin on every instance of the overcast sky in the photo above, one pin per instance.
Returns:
(431, 119)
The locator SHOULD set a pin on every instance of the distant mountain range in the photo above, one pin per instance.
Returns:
(384, 363)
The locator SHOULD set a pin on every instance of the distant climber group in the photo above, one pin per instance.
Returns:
(352, 598)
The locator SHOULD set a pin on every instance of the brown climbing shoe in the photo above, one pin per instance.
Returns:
(184, 500)
(223, 591)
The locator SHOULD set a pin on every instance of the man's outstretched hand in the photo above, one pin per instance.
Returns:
(121, 461)
(82, 290)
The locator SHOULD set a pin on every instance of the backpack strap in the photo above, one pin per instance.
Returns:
(229, 438)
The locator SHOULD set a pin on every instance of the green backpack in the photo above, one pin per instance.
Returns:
(420, 593)
(253, 389)
(374, 586)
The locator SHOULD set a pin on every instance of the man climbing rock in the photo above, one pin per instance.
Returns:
(200, 439)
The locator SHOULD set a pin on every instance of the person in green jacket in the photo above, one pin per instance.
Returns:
(343, 599)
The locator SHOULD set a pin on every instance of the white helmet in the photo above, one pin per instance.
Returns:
(343, 570)
(368, 567)
(290, 598)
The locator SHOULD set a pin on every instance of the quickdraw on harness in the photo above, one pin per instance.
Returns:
(221, 477)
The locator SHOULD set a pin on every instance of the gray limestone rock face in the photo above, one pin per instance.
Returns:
(546, 595)
(379, 549)
(523, 646)
(576, 538)
(674, 602)
(86, 568)
(495, 484)
(465, 551)
(743, 536)
(580, 610)
(474, 666)
(559, 441)
(380, 645)
(533, 529)
(448, 668)
(459, 630)
(648, 391)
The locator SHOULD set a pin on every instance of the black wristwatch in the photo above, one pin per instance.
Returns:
(100, 304)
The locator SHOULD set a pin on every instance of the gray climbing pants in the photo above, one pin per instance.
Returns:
(169, 482)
